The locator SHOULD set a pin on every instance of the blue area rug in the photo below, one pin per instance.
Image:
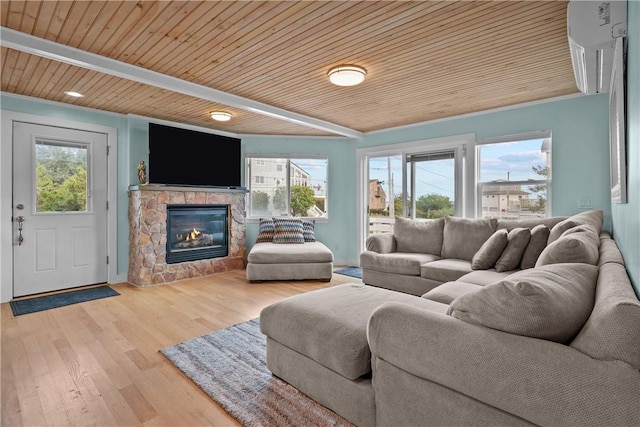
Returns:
(32, 305)
(350, 271)
(230, 366)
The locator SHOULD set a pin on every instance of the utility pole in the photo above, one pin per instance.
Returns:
(392, 203)
(508, 179)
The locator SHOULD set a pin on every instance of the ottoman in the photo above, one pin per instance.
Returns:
(317, 342)
(271, 261)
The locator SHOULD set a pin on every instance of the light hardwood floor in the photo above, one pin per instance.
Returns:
(97, 363)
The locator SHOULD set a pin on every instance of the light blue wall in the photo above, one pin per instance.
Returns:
(626, 217)
(580, 147)
(339, 232)
(580, 158)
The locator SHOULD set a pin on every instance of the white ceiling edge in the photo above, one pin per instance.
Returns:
(69, 55)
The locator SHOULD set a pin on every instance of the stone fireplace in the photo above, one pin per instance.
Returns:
(182, 232)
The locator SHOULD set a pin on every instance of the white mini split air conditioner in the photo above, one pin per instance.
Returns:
(593, 27)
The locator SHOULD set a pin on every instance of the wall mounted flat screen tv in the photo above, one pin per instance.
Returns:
(190, 158)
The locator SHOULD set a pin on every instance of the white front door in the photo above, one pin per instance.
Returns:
(59, 208)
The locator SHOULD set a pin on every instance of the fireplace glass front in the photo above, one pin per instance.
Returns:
(196, 232)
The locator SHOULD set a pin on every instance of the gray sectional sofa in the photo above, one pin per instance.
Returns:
(554, 343)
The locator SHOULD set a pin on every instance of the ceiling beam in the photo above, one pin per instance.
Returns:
(80, 58)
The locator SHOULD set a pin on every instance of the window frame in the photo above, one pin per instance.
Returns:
(480, 185)
(288, 177)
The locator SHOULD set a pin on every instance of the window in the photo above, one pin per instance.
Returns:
(514, 176)
(61, 176)
(287, 186)
(419, 179)
(432, 184)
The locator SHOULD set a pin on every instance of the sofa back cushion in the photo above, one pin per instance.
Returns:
(517, 242)
(463, 237)
(613, 329)
(419, 236)
(609, 251)
(593, 218)
(578, 244)
(510, 224)
(537, 243)
(551, 302)
(490, 251)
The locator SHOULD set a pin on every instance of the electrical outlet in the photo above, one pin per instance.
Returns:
(584, 203)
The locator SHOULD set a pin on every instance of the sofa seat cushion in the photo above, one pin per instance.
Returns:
(272, 253)
(396, 262)
(449, 291)
(330, 325)
(485, 277)
(446, 270)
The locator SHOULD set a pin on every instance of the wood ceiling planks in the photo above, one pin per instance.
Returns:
(425, 59)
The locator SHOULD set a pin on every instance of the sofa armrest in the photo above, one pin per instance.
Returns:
(540, 381)
(381, 243)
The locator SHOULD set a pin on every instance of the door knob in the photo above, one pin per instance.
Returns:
(20, 220)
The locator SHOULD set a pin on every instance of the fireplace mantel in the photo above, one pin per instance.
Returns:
(163, 187)
(148, 232)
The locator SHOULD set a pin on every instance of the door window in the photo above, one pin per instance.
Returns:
(61, 170)
(432, 179)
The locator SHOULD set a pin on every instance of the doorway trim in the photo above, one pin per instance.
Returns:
(6, 192)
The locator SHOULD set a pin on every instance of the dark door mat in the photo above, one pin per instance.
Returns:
(32, 305)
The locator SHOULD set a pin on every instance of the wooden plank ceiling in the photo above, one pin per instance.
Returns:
(425, 60)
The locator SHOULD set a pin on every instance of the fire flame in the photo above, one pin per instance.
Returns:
(193, 235)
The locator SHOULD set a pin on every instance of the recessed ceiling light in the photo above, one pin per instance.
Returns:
(347, 75)
(221, 116)
(74, 94)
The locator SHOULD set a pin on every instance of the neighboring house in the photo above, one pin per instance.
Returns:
(506, 198)
(377, 195)
(270, 174)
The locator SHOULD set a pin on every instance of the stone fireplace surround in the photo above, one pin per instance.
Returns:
(148, 232)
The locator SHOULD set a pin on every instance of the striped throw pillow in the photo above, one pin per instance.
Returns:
(308, 230)
(266, 230)
(288, 230)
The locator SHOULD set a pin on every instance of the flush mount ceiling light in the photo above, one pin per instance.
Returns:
(347, 75)
(74, 94)
(221, 116)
